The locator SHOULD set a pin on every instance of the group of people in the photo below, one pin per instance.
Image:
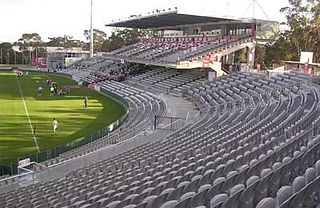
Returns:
(54, 89)
(20, 73)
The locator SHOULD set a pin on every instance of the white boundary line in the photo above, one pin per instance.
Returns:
(27, 113)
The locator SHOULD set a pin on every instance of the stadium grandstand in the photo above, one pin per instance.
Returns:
(191, 140)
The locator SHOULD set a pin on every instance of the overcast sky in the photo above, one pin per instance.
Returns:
(52, 18)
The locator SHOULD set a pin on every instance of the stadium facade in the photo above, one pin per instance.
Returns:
(184, 41)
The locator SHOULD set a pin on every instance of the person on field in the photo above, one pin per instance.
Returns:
(51, 90)
(85, 102)
(40, 90)
(54, 125)
(34, 128)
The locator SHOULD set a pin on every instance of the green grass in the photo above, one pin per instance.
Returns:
(17, 65)
(75, 121)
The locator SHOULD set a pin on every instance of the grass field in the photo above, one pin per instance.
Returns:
(21, 109)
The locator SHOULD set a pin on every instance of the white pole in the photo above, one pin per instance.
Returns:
(91, 33)
(253, 8)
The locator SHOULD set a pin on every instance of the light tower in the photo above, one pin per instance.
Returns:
(91, 32)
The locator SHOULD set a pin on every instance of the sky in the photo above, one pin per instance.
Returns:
(51, 18)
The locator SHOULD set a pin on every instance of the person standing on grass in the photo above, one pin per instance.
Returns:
(40, 90)
(54, 125)
(85, 102)
(34, 128)
(51, 90)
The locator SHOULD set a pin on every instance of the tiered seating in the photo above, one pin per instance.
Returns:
(143, 107)
(171, 50)
(170, 79)
(242, 86)
(263, 153)
(94, 63)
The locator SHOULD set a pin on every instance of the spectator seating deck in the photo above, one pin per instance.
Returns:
(173, 49)
(263, 152)
(170, 80)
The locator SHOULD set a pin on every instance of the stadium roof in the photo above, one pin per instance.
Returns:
(165, 19)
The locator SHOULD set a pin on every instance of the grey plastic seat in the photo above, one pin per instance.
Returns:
(311, 192)
(310, 174)
(187, 195)
(242, 172)
(246, 199)
(130, 206)
(199, 198)
(159, 200)
(137, 200)
(113, 204)
(149, 200)
(216, 189)
(231, 176)
(233, 199)
(283, 194)
(184, 203)
(86, 206)
(267, 203)
(218, 200)
(168, 190)
(317, 166)
(169, 204)
(204, 187)
(123, 203)
(262, 187)
(192, 186)
(274, 182)
(132, 196)
(175, 195)
(298, 184)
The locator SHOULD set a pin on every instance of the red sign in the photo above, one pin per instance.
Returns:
(205, 63)
(40, 62)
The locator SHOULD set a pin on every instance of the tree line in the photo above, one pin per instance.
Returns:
(31, 45)
(302, 33)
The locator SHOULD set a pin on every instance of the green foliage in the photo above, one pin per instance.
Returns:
(303, 21)
(5, 53)
(65, 41)
(241, 55)
(260, 56)
(280, 50)
(30, 44)
(124, 37)
(99, 37)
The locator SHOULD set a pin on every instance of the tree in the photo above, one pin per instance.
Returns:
(280, 50)
(260, 56)
(113, 42)
(124, 37)
(5, 53)
(303, 20)
(65, 41)
(30, 43)
(99, 37)
(241, 56)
